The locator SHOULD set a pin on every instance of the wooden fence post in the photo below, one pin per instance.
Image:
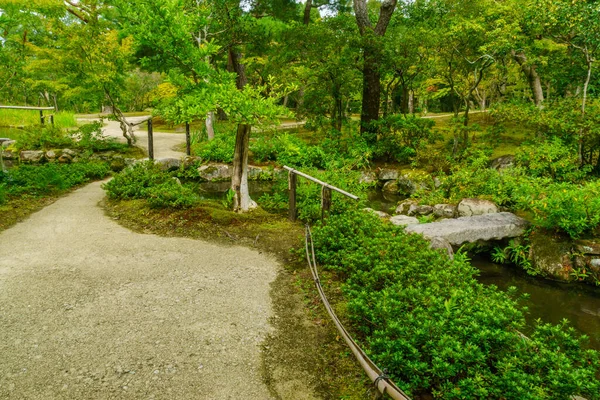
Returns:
(188, 141)
(292, 201)
(325, 201)
(150, 140)
(42, 117)
(52, 119)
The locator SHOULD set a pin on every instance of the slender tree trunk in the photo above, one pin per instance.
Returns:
(533, 78)
(411, 101)
(307, 8)
(589, 62)
(371, 57)
(209, 123)
(239, 178)
(126, 127)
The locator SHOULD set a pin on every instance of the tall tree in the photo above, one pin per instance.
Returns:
(372, 54)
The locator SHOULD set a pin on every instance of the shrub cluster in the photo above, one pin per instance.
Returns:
(145, 180)
(39, 180)
(437, 330)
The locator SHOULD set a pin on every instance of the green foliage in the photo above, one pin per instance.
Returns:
(62, 119)
(308, 194)
(402, 137)
(44, 138)
(219, 149)
(147, 181)
(574, 209)
(438, 331)
(288, 149)
(90, 137)
(40, 180)
(516, 253)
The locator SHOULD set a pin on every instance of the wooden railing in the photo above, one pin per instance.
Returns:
(325, 192)
(40, 109)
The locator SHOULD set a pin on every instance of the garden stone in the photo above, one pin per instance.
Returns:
(380, 214)
(2, 140)
(404, 207)
(390, 187)
(473, 229)
(51, 155)
(168, 164)
(117, 164)
(8, 155)
(444, 210)
(215, 172)
(368, 177)
(503, 162)
(472, 207)
(8, 143)
(437, 242)
(189, 161)
(420, 210)
(551, 256)
(587, 247)
(403, 220)
(257, 173)
(65, 158)
(69, 152)
(33, 156)
(388, 175)
(279, 173)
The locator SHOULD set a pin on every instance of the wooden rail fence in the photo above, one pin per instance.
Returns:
(40, 109)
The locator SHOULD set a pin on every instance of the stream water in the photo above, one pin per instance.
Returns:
(550, 301)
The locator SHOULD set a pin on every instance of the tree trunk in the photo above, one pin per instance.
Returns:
(209, 123)
(126, 127)
(307, 8)
(371, 57)
(589, 62)
(239, 178)
(533, 78)
(411, 101)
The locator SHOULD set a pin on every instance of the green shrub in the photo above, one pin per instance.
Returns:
(550, 159)
(90, 137)
(39, 180)
(401, 137)
(289, 150)
(146, 181)
(220, 149)
(438, 331)
(44, 138)
(574, 209)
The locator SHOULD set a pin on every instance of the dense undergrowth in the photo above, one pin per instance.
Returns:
(438, 331)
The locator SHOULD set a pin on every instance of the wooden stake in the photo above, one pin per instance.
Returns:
(188, 141)
(150, 140)
(292, 201)
(42, 117)
(325, 201)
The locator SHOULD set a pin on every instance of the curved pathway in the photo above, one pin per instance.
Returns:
(91, 310)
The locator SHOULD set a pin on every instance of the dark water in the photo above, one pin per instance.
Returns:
(550, 301)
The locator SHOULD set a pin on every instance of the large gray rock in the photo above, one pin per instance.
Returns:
(8, 155)
(368, 177)
(7, 142)
(442, 244)
(388, 175)
(33, 156)
(551, 256)
(215, 172)
(503, 162)
(403, 220)
(169, 163)
(473, 229)
(405, 206)
(444, 210)
(472, 207)
(420, 210)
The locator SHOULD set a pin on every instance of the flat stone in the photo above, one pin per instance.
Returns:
(404, 207)
(69, 152)
(215, 172)
(587, 247)
(7, 142)
(33, 156)
(168, 164)
(444, 210)
(388, 175)
(403, 220)
(420, 210)
(380, 214)
(473, 229)
(51, 154)
(472, 207)
(368, 177)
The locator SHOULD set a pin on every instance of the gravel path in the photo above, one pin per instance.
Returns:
(91, 310)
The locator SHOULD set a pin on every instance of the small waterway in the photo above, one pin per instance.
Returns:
(550, 301)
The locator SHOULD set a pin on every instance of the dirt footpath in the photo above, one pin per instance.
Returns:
(91, 310)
